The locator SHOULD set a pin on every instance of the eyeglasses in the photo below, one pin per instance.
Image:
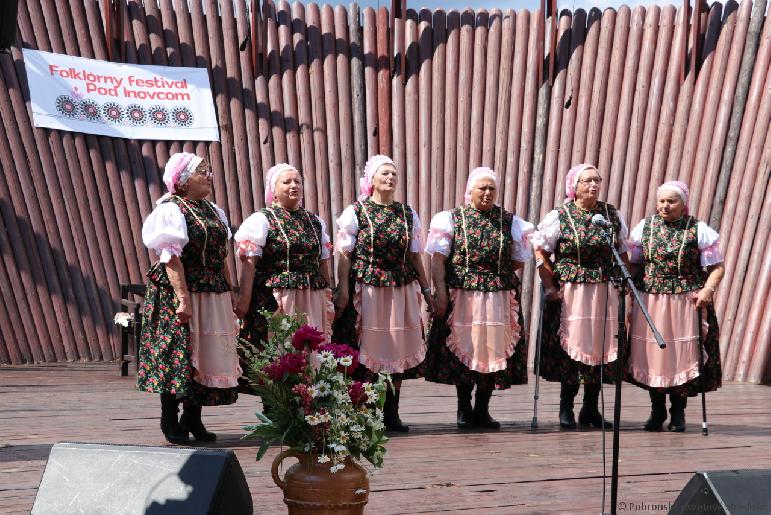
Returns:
(204, 173)
(595, 180)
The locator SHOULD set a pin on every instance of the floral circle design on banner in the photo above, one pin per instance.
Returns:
(112, 112)
(182, 116)
(136, 114)
(67, 106)
(90, 110)
(159, 116)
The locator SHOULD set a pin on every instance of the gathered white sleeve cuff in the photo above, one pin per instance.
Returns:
(165, 231)
(520, 234)
(347, 230)
(545, 238)
(634, 242)
(252, 235)
(326, 243)
(440, 234)
(709, 245)
(223, 218)
(623, 235)
(416, 243)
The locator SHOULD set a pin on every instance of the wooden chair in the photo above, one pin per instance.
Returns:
(134, 330)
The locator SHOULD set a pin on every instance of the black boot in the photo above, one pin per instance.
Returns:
(391, 413)
(465, 411)
(567, 395)
(482, 416)
(170, 426)
(677, 413)
(658, 411)
(191, 420)
(590, 415)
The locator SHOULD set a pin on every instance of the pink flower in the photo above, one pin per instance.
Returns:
(357, 393)
(307, 336)
(286, 364)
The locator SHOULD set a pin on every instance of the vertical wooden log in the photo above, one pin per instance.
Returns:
(383, 83)
(358, 99)
(508, 183)
(398, 109)
(425, 55)
(370, 80)
(590, 60)
(465, 79)
(478, 89)
(305, 103)
(262, 98)
(624, 119)
(599, 96)
(288, 83)
(758, 369)
(277, 118)
(529, 110)
(438, 127)
(348, 172)
(490, 110)
(315, 53)
(332, 112)
(570, 102)
(451, 107)
(411, 110)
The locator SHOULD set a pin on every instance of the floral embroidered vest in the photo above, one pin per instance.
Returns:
(203, 258)
(480, 258)
(671, 256)
(382, 245)
(582, 254)
(291, 257)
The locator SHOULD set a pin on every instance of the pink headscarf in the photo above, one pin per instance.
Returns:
(678, 187)
(178, 170)
(370, 169)
(476, 174)
(571, 181)
(270, 183)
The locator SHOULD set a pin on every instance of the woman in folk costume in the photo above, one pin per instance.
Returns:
(381, 280)
(580, 315)
(681, 266)
(285, 251)
(188, 342)
(477, 335)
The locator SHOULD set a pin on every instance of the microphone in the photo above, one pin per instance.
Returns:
(600, 221)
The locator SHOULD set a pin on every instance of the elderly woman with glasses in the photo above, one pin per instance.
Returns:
(680, 267)
(188, 342)
(380, 282)
(285, 253)
(477, 337)
(580, 314)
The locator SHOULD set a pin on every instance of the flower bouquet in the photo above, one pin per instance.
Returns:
(311, 404)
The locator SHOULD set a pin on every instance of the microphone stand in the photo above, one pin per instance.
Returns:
(624, 283)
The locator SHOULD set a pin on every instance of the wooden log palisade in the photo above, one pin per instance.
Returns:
(324, 87)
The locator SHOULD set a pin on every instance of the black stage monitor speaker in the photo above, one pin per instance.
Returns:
(734, 492)
(126, 479)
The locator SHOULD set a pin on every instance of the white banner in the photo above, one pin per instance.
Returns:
(122, 100)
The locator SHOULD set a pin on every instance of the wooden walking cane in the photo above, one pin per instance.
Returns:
(537, 361)
(704, 429)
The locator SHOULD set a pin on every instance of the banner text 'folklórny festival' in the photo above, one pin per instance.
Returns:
(122, 100)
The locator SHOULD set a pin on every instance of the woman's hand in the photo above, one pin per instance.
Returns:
(553, 294)
(703, 297)
(184, 311)
(430, 307)
(440, 303)
(241, 306)
(341, 301)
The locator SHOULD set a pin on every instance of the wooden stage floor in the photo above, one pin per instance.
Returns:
(434, 469)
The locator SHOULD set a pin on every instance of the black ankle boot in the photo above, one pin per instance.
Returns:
(191, 420)
(658, 411)
(677, 413)
(482, 416)
(391, 413)
(170, 426)
(590, 415)
(567, 395)
(465, 411)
